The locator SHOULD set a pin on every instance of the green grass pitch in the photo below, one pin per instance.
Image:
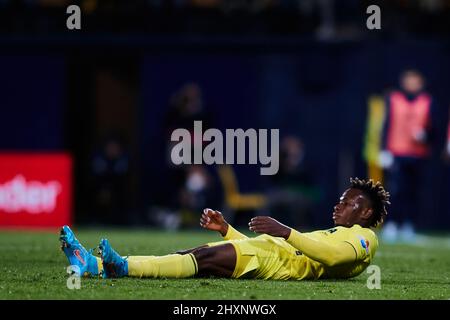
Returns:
(33, 267)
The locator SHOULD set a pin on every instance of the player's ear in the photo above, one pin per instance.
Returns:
(367, 213)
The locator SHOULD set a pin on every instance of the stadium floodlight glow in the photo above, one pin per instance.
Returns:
(235, 139)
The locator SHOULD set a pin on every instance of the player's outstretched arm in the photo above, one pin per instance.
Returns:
(326, 253)
(270, 226)
(214, 220)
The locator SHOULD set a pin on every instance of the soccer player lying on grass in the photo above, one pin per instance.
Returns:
(280, 253)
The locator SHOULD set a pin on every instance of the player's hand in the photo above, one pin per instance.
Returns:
(270, 226)
(385, 159)
(213, 220)
(420, 136)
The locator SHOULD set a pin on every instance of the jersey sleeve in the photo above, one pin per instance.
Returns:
(330, 254)
(233, 234)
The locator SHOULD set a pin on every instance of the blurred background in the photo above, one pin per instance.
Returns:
(107, 97)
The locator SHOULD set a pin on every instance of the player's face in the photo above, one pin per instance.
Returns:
(347, 212)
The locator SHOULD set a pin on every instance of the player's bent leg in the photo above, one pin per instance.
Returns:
(169, 266)
(84, 260)
(216, 260)
(203, 261)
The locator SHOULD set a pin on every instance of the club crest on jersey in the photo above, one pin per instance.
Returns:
(364, 243)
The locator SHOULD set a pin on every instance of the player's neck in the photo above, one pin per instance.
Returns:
(361, 224)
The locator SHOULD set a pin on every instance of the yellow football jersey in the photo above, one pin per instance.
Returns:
(338, 252)
(342, 263)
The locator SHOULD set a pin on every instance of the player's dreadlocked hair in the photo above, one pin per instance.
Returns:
(377, 195)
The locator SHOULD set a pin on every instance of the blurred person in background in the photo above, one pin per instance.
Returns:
(193, 183)
(292, 192)
(186, 106)
(196, 191)
(407, 133)
(110, 172)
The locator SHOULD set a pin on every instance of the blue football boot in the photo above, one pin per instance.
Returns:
(114, 266)
(76, 254)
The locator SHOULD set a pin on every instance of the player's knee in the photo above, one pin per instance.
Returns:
(205, 257)
(217, 260)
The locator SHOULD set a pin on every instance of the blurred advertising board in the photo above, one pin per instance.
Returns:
(35, 189)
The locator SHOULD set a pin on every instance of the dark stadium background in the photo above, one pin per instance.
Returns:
(268, 67)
